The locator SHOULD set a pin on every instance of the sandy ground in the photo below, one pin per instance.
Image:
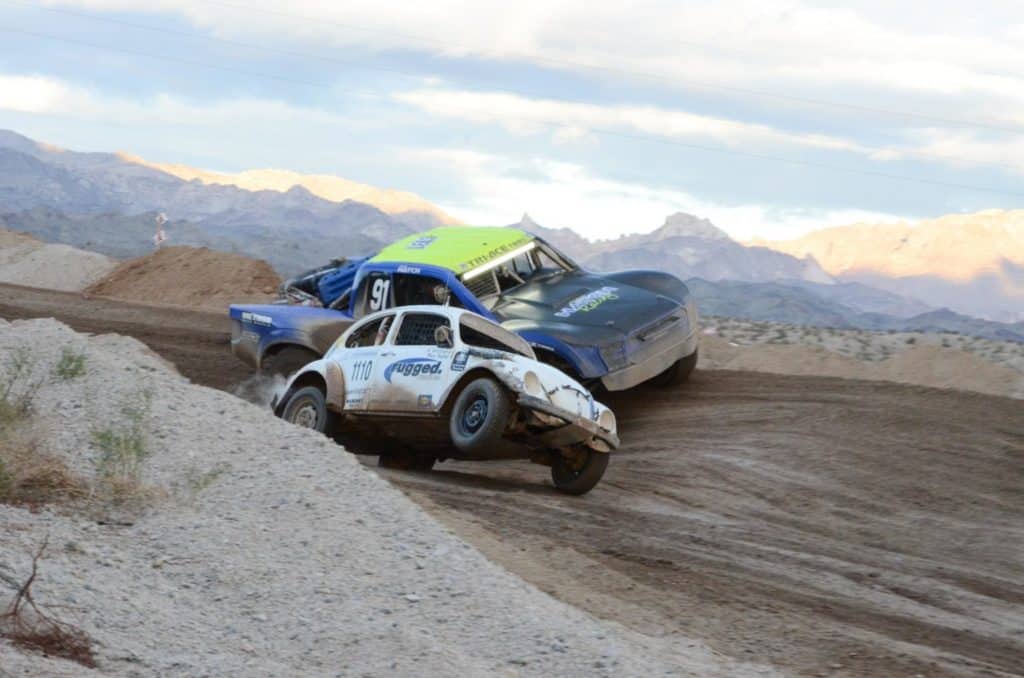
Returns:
(824, 526)
(267, 550)
(937, 360)
(27, 261)
(194, 277)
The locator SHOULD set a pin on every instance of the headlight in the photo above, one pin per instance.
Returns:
(531, 382)
(607, 421)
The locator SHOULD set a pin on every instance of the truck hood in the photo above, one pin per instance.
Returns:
(584, 299)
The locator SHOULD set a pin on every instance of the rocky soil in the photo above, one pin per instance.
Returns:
(925, 359)
(27, 261)
(257, 548)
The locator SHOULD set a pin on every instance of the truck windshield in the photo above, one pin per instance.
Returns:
(538, 262)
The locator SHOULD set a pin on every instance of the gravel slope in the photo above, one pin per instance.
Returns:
(292, 560)
(27, 261)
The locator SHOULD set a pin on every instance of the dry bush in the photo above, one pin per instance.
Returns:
(30, 477)
(26, 626)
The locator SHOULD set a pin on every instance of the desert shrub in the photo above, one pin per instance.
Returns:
(122, 449)
(24, 624)
(30, 477)
(71, 364)
(18, 387)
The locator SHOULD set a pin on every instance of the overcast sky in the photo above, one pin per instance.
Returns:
(770, 118)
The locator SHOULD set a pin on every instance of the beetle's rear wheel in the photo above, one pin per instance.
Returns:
(307, 408)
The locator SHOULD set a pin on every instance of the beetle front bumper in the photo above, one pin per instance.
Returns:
(574, 428)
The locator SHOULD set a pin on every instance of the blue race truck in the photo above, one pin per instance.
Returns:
(620, 329)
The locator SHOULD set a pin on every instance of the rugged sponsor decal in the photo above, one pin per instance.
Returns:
(421, 243)
(257, 319)
(413, 367)
(588, 302)
(459, 361)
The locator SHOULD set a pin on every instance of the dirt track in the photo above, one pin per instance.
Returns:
(825, 526)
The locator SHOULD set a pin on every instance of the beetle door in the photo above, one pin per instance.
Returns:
(361, 359)
(416, 369)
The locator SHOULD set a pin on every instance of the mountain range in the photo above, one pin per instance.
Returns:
(936, 274)
(971, 263)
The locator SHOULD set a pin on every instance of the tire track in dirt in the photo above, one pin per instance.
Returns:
(827, 526)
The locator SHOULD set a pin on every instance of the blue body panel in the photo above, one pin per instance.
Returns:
(260, 328)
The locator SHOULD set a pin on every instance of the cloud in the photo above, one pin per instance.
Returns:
(783, 46)
(569, 120)
(46, 95)
(559, 194)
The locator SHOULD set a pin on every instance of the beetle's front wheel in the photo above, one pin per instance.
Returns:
(479, 417)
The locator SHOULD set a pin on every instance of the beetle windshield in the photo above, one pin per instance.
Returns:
(480, 333)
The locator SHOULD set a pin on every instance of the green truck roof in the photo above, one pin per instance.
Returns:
(457, 248)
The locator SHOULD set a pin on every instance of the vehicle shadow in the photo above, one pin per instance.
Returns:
(462, 478)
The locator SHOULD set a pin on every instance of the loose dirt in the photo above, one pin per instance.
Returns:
(935, 366)
(195, 277)
(826, 526)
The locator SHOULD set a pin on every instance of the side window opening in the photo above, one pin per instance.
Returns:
(418, 329)
(370, 334)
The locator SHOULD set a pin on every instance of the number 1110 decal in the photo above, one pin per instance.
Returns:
(361, 370)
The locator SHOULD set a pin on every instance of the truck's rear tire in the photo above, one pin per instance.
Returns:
(580, 477)
(478, 420)
(287, 361)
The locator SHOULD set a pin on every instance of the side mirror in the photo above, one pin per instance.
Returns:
(443, 336)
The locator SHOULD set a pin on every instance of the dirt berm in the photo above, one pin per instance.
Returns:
(195, 277)
(255, 548)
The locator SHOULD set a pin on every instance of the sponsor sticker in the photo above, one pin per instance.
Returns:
(405, 268)
(425, 401)
(257, 319)
(459, 361)
(421, 243)
(414, 368)
(588, 302)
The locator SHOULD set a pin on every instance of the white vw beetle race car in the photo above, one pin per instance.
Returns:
(419, 384)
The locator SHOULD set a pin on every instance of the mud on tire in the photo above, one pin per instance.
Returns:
(581, 475)
(307, 408)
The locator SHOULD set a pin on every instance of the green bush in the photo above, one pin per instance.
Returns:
(123, 448)
(71, 364)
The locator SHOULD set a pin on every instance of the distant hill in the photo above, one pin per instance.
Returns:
(686, 246)
(972, 263)
(802, 305)
(107, 202)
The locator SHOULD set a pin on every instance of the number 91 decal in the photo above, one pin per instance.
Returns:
(379, 294)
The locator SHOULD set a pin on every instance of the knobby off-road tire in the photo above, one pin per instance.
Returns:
(479, 417)
(287, 361)
(678, 373)
(581, 478)
(307, 408)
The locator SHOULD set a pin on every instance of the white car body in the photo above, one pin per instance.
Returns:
(400, 375)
